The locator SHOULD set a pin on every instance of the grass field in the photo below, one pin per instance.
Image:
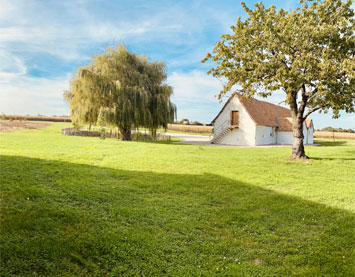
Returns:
(79, 206)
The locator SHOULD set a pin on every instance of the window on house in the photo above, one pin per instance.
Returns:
(235, 118)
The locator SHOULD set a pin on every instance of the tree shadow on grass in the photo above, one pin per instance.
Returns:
(332, 159)
(63, 218)
(322, 143)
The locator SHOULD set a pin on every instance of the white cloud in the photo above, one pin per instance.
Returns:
(194, 95)
(26, 95)
(62, 32)
(6, 9)
(194, 86)
(10, 66)
(62, 28)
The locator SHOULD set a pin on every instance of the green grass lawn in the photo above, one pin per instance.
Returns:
(79, 206)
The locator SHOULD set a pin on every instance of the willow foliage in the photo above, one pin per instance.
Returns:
(122, 89)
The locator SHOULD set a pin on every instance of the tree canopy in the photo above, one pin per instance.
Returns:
(308, 53)
(122, 89)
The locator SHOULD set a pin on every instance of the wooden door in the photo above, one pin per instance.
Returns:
(235, 118)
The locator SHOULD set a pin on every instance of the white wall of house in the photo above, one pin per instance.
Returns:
(245, 134)
(305, 134)
(250, 134)
(264, 135)
(284, 137)
(308, 134)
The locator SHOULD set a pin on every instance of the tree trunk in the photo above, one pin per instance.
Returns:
(125, 133)
(154, 134)
(297, 125)
(297, 146)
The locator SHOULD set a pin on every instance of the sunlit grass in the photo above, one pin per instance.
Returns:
(85, 206)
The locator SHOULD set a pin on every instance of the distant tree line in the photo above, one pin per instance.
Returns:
(331, 129)
(185, 121)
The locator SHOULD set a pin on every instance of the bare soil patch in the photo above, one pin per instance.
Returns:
(257, 261)
(8, 126)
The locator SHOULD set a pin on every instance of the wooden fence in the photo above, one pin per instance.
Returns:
(83, 133)
(337, 135)
(113, 134)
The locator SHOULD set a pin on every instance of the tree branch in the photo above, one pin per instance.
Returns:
(313, 110)
(314, 91)
(293, 103)
(284, 62)
(303, 103)
(273, 52)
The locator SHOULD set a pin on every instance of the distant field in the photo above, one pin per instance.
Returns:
(81, 206)
(191, 128)
(339, 135)
(36, 118)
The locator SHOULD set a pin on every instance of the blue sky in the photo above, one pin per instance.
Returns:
(43, 42)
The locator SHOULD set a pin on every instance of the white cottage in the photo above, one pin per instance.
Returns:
(251, 122)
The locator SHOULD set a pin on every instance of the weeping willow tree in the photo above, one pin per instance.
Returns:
(84, 108)
(121, 89)
(161, 110)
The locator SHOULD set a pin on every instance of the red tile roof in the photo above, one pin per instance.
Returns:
(264, 113)
(284, 123)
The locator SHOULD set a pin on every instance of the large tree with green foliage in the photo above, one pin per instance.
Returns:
(308, 53)
(122, 89)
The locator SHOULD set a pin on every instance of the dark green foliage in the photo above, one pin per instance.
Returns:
(196, 123)
(308, 53)
(332, 129)
(183, 121)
